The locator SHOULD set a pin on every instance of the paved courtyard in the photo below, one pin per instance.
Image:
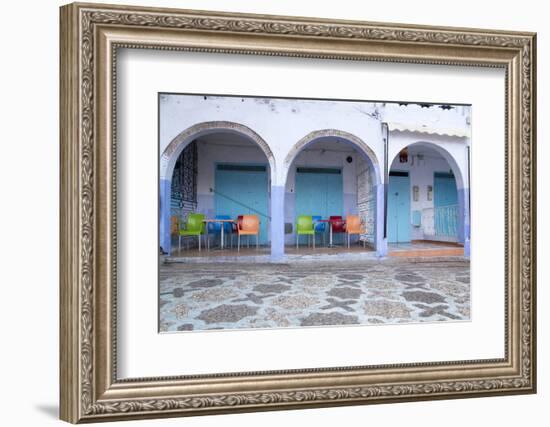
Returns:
(228, 296)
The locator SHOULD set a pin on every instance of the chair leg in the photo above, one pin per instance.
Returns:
(348, 240)
(199, 242)
(313, 241)
(257, 241)
(297, 236)
(239, 243)
(179, 245)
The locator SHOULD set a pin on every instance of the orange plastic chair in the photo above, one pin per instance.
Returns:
(353, 226)
(248, 226)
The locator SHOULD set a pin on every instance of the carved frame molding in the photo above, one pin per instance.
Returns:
(90, 36)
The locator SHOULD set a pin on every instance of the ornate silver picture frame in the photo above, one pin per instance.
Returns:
(91, 37)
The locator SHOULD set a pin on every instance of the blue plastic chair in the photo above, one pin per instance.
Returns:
(216, 227)
(320, 227)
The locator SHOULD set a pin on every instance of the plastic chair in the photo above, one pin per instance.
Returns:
(353, 226)
(249, 225)
(216, 228)
(193, 227)
(304, 225)
(337, 224)
(319, 227)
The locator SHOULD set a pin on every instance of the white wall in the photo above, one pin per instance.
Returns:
(29, 303)
(211, 154)
(281, 123)
(312, 157)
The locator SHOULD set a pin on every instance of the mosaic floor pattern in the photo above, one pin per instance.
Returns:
(212, 296)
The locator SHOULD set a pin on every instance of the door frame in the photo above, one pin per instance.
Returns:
(446, 175)
(399, 173)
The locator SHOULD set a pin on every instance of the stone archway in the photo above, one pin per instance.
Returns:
(447, 155)
(355, 141)
(171, 153)
(367, 153)
(176, 146)
(462, 186)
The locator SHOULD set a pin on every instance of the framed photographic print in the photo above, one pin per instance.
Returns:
(267, 212)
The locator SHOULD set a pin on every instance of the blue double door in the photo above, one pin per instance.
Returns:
(243, 190)
(319, 191)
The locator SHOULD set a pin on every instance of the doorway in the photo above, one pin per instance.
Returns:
(319, 191)
(399, 208)
(243, 190)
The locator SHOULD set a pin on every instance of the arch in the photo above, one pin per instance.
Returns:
(367, 152)
(176, 146)
(457, 171)
(311, 137)
(174, 149)
(461, 185)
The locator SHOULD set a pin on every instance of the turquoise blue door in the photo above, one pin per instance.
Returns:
(445, 205)
(319, 191)
(243, 190)
(399, 208)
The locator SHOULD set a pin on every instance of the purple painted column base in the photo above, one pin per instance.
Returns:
(277, 223)
(464, 219)
(381, 242)
(165, 241)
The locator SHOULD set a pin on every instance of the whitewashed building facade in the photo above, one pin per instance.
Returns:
(348, 157)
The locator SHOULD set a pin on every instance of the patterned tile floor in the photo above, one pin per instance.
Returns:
(228, 296)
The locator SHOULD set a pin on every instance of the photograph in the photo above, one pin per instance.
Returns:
(371, 226)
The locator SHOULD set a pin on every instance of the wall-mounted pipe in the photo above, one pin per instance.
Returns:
(386, 138)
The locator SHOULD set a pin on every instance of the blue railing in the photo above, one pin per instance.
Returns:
(446, 221)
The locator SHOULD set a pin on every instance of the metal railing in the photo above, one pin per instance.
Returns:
(446, 220)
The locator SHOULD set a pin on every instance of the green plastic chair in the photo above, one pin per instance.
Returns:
(304, 225)
(193, 227)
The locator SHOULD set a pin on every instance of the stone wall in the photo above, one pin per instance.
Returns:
(366, 201)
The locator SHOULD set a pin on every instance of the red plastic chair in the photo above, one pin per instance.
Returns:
(338, 224)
